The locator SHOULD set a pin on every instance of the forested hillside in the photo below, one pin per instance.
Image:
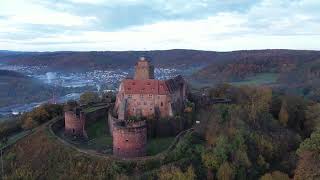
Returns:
(260, 135)
(235, 66)
(13, 85)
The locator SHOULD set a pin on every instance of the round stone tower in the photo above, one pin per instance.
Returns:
(129, 139)
(74, 123)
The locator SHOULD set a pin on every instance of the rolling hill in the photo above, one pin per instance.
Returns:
(17, 88)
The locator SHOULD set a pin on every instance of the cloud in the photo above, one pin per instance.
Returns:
(159, 24)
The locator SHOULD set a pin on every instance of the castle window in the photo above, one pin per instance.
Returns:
(148, 83)
(129, 88)
(150, 95)
(161, 103)
(141, 95)
(150, 109)
(133, 83)
(127, 140)
(145, 103)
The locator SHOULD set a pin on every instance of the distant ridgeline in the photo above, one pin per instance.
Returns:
(80, 61)
(254, 60)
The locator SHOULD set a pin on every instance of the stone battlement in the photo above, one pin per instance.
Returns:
(129, 139)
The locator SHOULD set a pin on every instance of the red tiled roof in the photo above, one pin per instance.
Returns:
(148, 86)
(152, 86)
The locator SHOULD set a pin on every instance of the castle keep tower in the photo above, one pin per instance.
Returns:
(143, 70)
(145, 96)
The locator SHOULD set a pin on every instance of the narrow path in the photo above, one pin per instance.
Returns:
(48, 125)
(27, 133)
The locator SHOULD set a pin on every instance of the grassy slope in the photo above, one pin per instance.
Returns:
(41, 156)
(97, 129)
(100, 140)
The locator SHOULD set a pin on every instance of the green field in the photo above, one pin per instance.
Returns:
(102, 143)
(101, 140)
(97, 129)
(259, 79)
(157, 145)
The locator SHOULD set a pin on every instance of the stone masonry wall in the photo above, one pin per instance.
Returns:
(74, 125)
(129, 140)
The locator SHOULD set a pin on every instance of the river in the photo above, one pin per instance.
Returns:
(20, 108)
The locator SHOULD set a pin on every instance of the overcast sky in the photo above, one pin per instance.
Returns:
(220, 25)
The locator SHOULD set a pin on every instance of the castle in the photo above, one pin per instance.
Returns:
(144, 96)
(138, 98)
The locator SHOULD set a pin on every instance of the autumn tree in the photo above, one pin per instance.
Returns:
(309, 157)
(275, 175)
(296, 108)
(283, 114)
(312, 121)
(257, 101)
(29, 123)
(226, 172)
(175, 173)
(89, 97)
(40, 115)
